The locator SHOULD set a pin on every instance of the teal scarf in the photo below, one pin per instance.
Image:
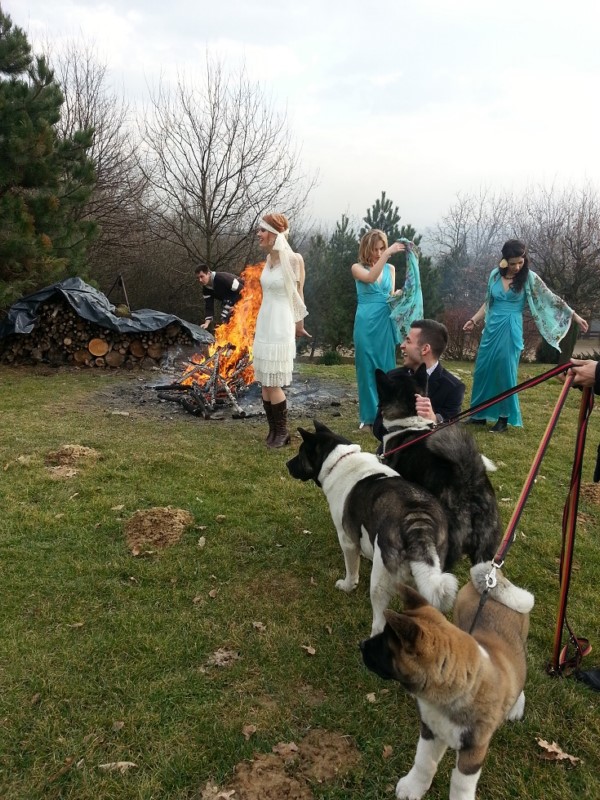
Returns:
(551, 314)
(408, 306)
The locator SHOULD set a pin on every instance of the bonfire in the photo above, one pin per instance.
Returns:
(231, 352)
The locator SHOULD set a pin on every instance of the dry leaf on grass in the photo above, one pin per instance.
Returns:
(248, 731)
(56, 473)
(371, 697)
(259, 626)
(202, 542)
(65, 768)
(213, 593)
(117, 766)
(285, 749)
(552, 752)
(387, 751)
(222, 658)
(220, 517)
(212, 792)
(310, 650)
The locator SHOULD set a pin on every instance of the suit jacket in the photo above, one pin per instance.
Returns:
(445, 391)
(225, 287)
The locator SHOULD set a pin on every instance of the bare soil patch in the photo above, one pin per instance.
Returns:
(156, 527)
(289, 771)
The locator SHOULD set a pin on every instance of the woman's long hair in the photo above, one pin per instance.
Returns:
(368, 244)
(514, 248)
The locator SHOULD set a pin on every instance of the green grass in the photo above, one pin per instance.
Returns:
(103, 656)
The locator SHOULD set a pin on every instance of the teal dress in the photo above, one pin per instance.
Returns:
(375, 340)
(502, 340)
(499, 353)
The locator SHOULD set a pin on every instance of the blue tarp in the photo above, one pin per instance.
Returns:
(94, 306)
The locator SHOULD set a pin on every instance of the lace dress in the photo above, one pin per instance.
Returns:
(275, 335)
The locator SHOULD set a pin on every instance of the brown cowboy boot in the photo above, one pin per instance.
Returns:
(268, 406)
(282, 435)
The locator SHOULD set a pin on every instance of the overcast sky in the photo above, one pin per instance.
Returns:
(424, 99)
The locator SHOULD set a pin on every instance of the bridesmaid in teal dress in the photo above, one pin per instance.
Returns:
(501, 344)
(375, 335)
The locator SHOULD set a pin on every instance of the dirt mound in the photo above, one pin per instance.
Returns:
(156, 527)
(61, 463)
(70, 454)
(591, 492)
(288, 772)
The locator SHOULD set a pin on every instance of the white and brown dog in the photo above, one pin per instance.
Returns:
(466, 682)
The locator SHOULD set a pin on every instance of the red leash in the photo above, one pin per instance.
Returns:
(528, 384)
(511, 528)
(561, 662)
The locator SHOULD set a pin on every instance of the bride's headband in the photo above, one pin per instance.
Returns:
(271, 229)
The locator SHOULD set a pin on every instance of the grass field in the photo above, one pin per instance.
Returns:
(193, 662)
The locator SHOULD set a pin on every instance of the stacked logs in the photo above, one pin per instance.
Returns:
(61, 336)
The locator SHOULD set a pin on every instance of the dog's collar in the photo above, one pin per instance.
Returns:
(415, 423)
(351, 450)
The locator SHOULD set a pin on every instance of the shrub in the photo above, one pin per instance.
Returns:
(331, 358)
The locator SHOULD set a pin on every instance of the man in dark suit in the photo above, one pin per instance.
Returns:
(222, 285)
(425, 343)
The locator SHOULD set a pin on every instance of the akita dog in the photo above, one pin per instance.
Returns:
(447, 464)
(400, 527)
(467, 677)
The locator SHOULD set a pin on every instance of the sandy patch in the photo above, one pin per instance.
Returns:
(156, 527)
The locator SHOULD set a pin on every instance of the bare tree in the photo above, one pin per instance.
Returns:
(467, 243)
(562, 230)
(115, 204)
(216, 157)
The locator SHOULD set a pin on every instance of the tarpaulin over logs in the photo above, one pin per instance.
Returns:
(92, 305)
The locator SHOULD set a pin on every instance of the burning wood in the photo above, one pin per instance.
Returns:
(223, 375)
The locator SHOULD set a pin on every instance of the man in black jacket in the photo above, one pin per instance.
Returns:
(425, 343)
(222, 285)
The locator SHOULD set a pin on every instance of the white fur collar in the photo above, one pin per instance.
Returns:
(415, 423)
(334, 458)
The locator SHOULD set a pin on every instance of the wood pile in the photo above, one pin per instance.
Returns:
(61, 336)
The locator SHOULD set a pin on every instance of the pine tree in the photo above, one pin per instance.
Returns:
(43, 178)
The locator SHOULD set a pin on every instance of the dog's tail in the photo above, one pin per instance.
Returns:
(504, 591)
(437, 587)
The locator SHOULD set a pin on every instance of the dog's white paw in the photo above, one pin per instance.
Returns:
(408, 788)
(345, 585)
(518, 709)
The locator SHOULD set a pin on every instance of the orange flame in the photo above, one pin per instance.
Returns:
(238, 333)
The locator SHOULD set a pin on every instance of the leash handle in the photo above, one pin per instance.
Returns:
(560, 661)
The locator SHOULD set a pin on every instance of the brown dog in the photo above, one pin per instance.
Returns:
(466, 684)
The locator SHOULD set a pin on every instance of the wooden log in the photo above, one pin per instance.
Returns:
(115, 358)
(98, 347)
(81, 356)
(155, 350)
(137, 349)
